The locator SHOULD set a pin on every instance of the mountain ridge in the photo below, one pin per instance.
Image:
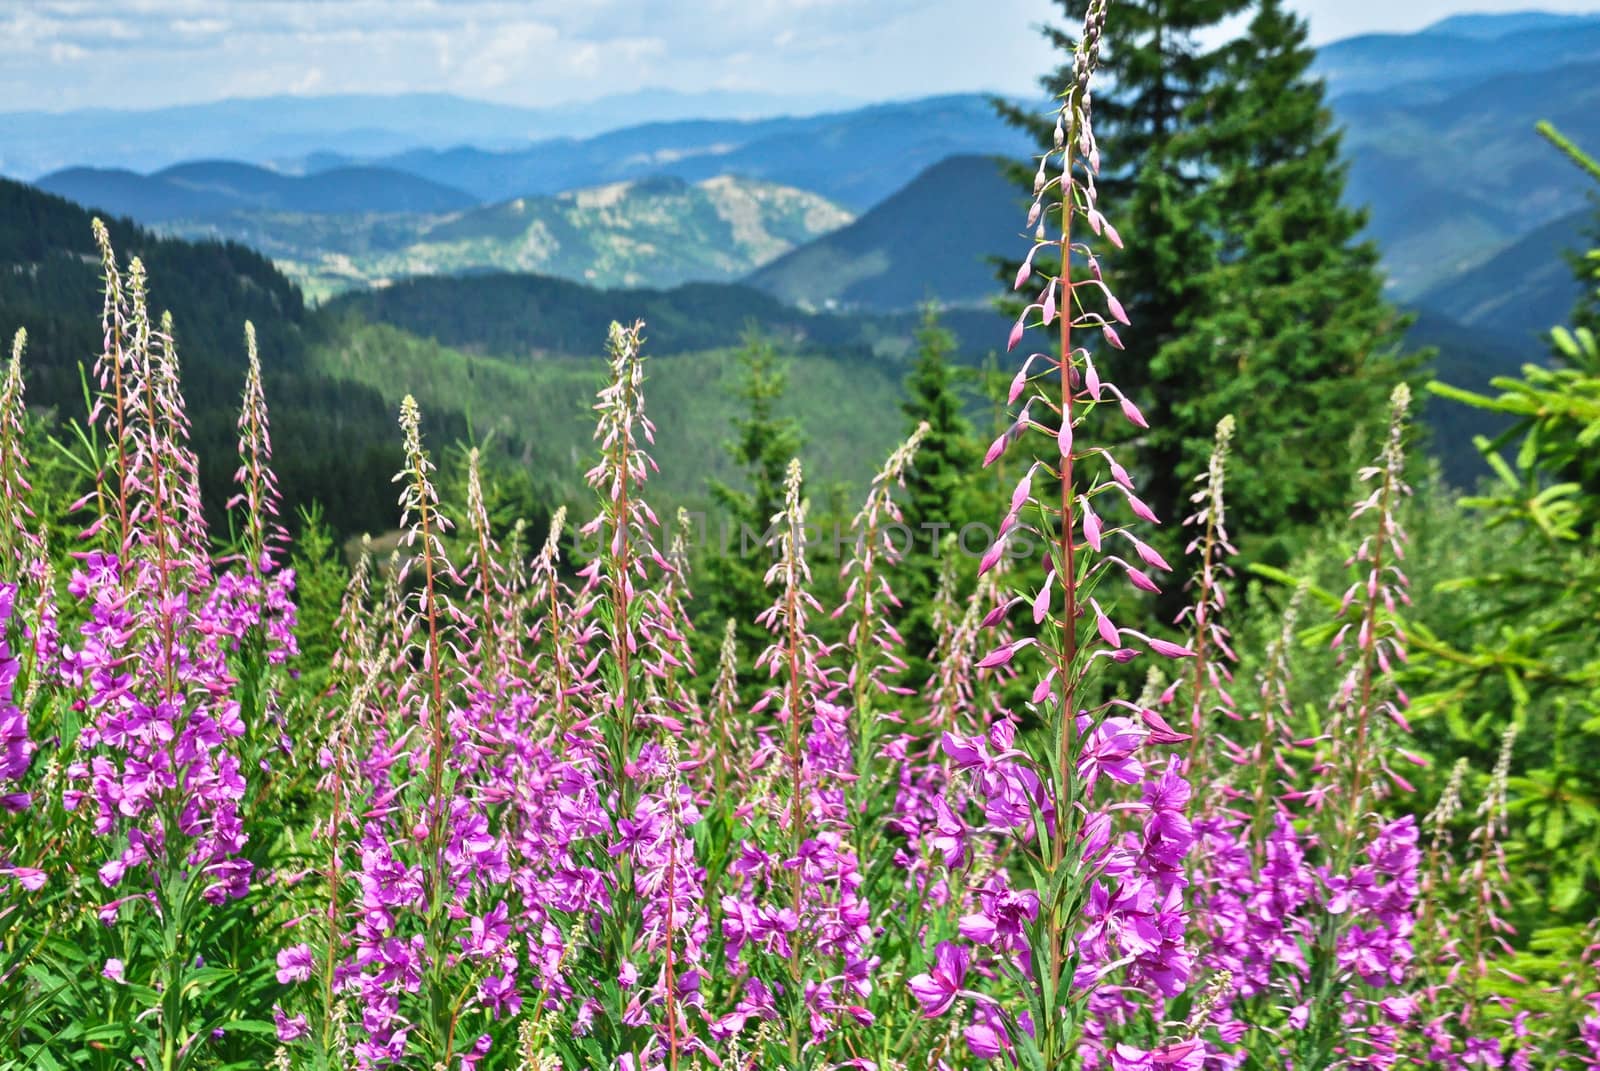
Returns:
(660, 230)
(283, 127)
(855, 157)
(1368, 62)
(1495, 25)
(930, 239)
(204, 189)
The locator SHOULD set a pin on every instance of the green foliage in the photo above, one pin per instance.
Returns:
(319, 577)
(1248, 288)
(945, 487)
(531, 318)
(543, 407)
(764, 443)
(1287, 329)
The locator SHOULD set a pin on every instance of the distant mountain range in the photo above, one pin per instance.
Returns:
(1451, 180)
(1450, 55)
(856, 158)
(211, 189)
(287, 129)
(1439, 131)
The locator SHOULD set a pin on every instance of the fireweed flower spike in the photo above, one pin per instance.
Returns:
(1459, 1015)
(1210, 680)
(626, 926)
(426, 922)
(1308, 904)
(349, 736)
(111, 403)
(20, 545)
(558, 634)
(1107, 883)
(16, 750)
(671, 667)
(1369, 625)
(159, 768)
(796, 926)
(26, 577)
(873, 643)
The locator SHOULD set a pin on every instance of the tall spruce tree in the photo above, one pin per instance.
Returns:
(736, 562)
(944, 489)
(1288, 329)
(1243, 275)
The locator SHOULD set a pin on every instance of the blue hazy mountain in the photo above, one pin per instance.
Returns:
(1457, 50)
(281, 128)
(855, 158)
(935, 237)
(211, 188)
(1452, 180)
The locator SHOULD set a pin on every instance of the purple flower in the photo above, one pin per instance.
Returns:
(1004, 916)
(937, 990)
(16, 750)
(499, 994)
(290, 1028)
(949, 836)
(1109, 749)
(294, 964)
(29, 878)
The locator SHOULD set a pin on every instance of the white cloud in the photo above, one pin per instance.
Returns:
(73, 53)
(308, 82)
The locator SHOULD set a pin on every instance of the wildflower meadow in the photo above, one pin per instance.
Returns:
(502, 804)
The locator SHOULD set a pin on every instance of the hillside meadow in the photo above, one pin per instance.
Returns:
(1146, 700)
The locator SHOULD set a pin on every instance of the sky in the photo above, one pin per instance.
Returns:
(61, 54)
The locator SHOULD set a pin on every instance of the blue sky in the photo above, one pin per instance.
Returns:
(58, 54)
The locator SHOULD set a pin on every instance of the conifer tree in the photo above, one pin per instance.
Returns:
(1288, 329)
(763, 444)
(1585, 264)
(942, 492)
(1155, 116)
(1244, 277)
